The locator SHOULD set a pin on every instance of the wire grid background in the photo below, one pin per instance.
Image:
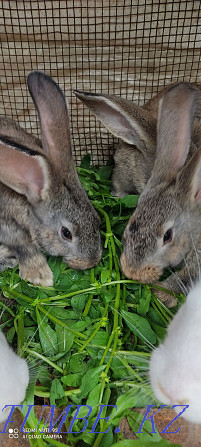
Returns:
(124, 47)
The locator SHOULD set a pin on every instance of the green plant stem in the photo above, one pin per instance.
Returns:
(89, 301)
(114, 335)
(56, 320)
(20, 333)
(163, 309)
(47, 393)
(45, 359)
(99, 325)
(131, 370)
(7, 308)
(11, 293)
(165, 318)
(135, 353)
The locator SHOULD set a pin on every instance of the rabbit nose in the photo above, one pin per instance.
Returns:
(81, 264)
(145, 274)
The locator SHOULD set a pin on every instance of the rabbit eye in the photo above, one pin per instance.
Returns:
(66, 234)
(167, 236)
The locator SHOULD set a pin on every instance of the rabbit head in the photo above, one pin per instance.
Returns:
(62, 219)
(136, 129)
(160, 232)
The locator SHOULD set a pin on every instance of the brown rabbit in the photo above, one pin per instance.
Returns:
(164, 231)
(43, 206)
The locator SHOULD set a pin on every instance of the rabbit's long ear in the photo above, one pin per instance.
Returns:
(176, 115)
(52, 109)
(24, 173)
(122, 118)
(189, 179)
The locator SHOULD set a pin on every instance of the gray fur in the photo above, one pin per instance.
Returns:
(35, 206)
(136, 128)
(171, 199)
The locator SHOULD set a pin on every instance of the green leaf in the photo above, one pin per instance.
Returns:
(107, 439)
(139, 326)
(73, 380)
(90, 379)
(62, 314)
(10, 334)
(105, 172)
(105, 275)
(138, 396)
(43, 376)
(65, 338)
(135, 419)
(101, 338)
(159, 331)
(78, 302)
(48, 337)
(77, 363)
(85, 163)
(94, 396)
(55, 265)
(144, 302)
(56, 391)
(119, 370)
(108, 295)
(129, 201)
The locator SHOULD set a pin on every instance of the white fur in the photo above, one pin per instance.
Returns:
(175, 366)
(14, 378)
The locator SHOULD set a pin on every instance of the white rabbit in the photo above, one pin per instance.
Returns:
(175, 366)
(14, 378)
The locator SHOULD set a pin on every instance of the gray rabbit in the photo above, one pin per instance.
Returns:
(136, 128)
(165, 229)
(43, 206)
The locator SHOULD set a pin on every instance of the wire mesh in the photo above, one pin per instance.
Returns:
(124, 47)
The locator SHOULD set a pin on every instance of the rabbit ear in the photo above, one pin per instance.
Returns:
(25, 174)
(54, 120)
(190, 179)
(122, 118)
(176, 115)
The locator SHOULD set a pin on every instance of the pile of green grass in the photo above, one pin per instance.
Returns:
(88, 339)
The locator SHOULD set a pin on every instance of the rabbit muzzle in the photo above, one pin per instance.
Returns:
(145, 274)
(80, 264)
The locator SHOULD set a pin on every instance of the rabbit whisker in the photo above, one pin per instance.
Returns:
(179, 282)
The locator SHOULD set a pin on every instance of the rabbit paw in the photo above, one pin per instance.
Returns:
(165, 297)
(7, 259)
(37, 272)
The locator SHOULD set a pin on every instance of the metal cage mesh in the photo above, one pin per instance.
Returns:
(124, 47)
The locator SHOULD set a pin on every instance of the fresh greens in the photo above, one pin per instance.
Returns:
(88, 338)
